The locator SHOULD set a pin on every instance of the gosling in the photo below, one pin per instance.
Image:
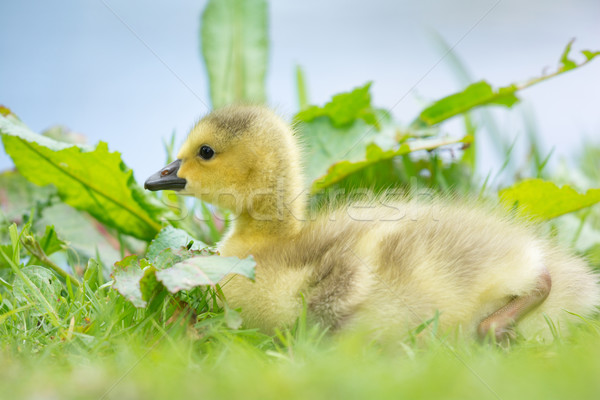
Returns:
(387, 265)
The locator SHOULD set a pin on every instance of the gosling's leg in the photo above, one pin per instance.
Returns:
(502, 320)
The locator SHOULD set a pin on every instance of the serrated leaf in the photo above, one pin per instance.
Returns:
(203, 270)
(475, 95)
(481, 93)
(375, 154)
(326, 144)
(127, 275)
(235, 47)
(169, 257)
(45, 281)
(95, 181)
(541, 199)
(344, 108)
(135, 280)
(170, 237)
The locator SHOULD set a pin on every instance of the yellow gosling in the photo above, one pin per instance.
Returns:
(388, 265)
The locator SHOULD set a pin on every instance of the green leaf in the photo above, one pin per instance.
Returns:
(50, 242)
(15, 238)
(45, 281)
(326, 144)
(340, 130)
(540, 199)
(18, 196)
(374, 154)
(169, 257)
(589, 55)
(95, 181)
(92, 275)
(301, 88)
(170, 237)
(6, 249)
(4, 111)
(235, 47)
(42, 304)
(344, 109)
(148, 283)
(566, 63)
(475, 95)
(81, 232)
(203, 270)
(481, 93)
(233, 319)
(130, 275)
(137, 279)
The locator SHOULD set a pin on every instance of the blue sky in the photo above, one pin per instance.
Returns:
(75, 63)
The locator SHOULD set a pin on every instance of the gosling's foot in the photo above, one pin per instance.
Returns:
(502, 334)
(502, 321)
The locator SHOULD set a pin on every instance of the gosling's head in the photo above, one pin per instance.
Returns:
(236, 157)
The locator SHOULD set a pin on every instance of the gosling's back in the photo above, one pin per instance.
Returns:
(393, 266)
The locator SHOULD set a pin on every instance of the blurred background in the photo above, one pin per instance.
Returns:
(130, 72)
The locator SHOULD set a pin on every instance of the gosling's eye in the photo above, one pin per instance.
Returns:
(206, 152)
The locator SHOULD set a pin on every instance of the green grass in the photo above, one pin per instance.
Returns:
(101, 347)
(175, 363)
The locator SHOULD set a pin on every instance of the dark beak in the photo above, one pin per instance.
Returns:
(166, 178)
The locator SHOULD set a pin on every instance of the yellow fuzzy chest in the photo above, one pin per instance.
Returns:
(272, 300)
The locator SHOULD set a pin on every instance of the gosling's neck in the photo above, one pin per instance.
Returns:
(269, 216)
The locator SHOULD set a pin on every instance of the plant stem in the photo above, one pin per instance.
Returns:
(34, 248)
